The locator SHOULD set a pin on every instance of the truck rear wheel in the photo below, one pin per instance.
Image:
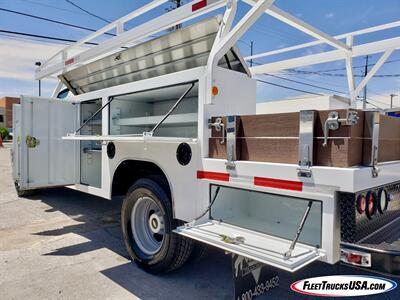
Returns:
(22, 193)
(147, 223)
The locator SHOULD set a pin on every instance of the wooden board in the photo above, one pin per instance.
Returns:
(274, 138)
(389, 140)
(338, 152)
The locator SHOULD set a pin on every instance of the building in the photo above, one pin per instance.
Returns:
(6, 104)
(325, 102)
(2, 117)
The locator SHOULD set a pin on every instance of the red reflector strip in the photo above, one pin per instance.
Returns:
(69, 61)
(199, 5)
(279, 183)
(213, 175)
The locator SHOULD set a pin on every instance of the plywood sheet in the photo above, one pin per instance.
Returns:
(274, 138)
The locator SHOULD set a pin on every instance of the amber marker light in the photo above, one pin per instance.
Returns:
(214, 90)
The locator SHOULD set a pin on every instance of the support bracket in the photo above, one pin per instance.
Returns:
(372, 123)
(230, 142)
(306, 142)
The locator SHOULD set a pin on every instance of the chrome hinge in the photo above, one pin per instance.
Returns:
(333, 122)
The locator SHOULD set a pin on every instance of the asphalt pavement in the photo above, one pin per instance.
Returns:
(63, 244)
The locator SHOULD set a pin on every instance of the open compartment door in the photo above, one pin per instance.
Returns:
(278, 230)
(264, 248)
(45, 159)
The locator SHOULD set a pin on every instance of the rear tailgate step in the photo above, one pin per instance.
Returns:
(264, 248)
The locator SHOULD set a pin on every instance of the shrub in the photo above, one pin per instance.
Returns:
(4, 132)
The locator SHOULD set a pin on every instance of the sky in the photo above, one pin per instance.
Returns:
(18, 54)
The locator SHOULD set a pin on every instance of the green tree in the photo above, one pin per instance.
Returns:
(4, 132)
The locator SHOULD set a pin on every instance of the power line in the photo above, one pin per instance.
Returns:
(51, 6)
(289, 88)
(51, 20)
(377, 101)
(327, 72)
(280, 36)
(43, 37)
(338, 75)
(88, 12)
(359, 67)
(308, 84)
(373, 104)
(316, 81)
(304, 83)
(24, 38)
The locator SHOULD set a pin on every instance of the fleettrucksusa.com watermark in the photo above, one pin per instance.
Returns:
(343, 285)
(352, 285)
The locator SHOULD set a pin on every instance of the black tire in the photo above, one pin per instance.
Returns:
(23, 193)
(175, 249)
(199, 252)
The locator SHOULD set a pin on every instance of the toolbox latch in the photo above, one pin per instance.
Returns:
(333, 122)
(219, 127)
(32, 142)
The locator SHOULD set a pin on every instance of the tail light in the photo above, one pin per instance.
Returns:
(357, 258)
(361, 204)
(371, 204)
(383, 200)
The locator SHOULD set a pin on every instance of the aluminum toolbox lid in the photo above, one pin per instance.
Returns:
(264, 248)
(183, 49)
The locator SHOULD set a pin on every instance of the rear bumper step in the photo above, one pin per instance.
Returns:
(383, 247)
(264, 248)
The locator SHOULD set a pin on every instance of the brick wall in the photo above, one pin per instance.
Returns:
(6, 104)
(2, 117)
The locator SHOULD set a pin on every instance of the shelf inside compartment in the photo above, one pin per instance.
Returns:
(172, 120)
(93, 122)
(91, 150)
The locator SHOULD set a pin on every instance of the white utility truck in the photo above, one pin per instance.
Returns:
(140, 111)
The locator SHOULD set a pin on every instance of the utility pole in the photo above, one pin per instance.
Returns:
(38, 64)
(365, 87)
(391, 99)
(251, 53)
(176, 4)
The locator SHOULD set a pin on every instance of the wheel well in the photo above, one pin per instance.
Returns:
(131, 170)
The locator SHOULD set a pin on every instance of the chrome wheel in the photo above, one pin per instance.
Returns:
(147, 227)
(147, 224)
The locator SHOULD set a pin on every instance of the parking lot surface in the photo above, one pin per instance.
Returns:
(63, 244)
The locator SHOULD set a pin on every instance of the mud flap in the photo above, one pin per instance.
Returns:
(252, 278)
